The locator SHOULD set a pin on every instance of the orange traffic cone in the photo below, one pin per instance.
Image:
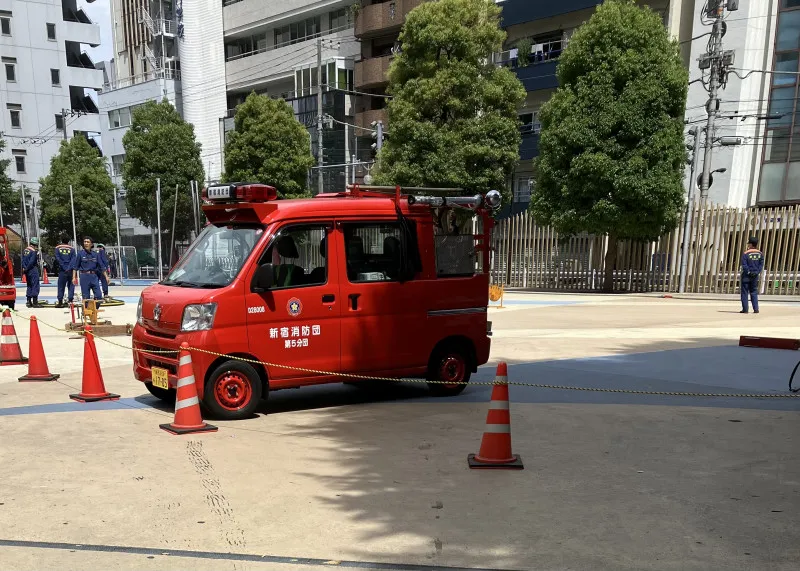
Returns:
(37, 366)
(495, 449)
(10, 351)
(187, 406)
(24, 279)
(92, 387)
(46, 279)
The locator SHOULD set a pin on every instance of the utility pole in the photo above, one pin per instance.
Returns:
(716, 61)
(695, 132)
(160, 272)
(320, 157)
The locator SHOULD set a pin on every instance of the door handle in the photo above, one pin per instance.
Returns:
(354, 301)
(328, 298)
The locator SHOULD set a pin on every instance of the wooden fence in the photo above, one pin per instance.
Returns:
(531, 256)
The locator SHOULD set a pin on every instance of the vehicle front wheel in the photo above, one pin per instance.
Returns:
(167, 395)
(233, 391)
(449, 370)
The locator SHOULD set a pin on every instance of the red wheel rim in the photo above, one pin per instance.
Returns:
(452, 370)
(232, 390)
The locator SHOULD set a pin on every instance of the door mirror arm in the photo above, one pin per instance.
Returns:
(263, 279)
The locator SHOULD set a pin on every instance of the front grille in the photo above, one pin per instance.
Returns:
(168, 361)
(159, 334)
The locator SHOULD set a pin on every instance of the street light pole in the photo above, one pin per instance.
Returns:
(158, 216)
(689, 210)
(120, 252)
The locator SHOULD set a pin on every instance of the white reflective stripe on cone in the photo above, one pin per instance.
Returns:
(498, 428)
(7, 321)
(186, 381)
(8, 339)
(185, 360)
(186, 402)
(501, 379)
(498, 405)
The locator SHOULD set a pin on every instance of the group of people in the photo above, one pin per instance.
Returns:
(88, 267)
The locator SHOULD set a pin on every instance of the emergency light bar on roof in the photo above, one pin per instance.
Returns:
(240, 192)
(436, 197)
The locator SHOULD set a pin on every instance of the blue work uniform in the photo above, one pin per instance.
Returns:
(88, 263)
(101, 274)
(752, 266)
(30, 267)
(67, 262)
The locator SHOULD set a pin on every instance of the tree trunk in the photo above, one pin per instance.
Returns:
(611, 259)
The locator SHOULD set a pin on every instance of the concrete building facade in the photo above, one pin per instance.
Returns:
(48, 83)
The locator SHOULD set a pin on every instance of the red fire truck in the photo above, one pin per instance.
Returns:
(8, 289)
(373, 281)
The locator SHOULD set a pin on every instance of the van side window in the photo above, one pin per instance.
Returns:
(374, 252)
(299, 256)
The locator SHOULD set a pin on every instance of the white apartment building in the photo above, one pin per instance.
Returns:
(47, 82)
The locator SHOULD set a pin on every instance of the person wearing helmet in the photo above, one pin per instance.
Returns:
(30, 268)
(752, 266)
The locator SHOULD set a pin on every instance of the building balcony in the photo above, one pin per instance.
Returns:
(77, 27)
(384, 18)
(90, 78)
(365, 118)
(371, 72)
(538, 76)
(529, 147)
(517, 12)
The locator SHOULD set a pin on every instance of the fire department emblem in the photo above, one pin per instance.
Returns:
(294, 307)
(157, 312)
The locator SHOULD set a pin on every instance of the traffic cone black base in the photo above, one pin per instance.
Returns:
(38, 379)
(107, 396)
(178, 430)
(515, 464)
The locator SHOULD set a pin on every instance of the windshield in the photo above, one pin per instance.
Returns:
(216, 257)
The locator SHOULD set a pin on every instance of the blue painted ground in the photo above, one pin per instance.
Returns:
(727, 369)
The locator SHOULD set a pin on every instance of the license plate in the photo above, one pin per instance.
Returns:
(160, 378)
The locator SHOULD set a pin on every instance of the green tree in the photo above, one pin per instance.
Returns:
(160, 144)
(269, 145)
(9, 196)
(611, 153)
(453, 114)
(80, 165)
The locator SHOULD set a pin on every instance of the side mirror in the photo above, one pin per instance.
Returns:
(263, 279)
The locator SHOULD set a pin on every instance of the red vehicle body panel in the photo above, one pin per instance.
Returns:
(8, 289)
(392, 332)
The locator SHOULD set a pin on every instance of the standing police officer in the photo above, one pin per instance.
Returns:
(67, 263)
(30, 267)
(752, 265)
(88, 264)
(102, 275)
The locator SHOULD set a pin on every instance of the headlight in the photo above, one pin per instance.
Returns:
(139, 319)
(198, 317)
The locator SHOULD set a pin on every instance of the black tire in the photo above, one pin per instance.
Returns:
(233, 391)
(11, 304)
(451, 362)
(166, 395)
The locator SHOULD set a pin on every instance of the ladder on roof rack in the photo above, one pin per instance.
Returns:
(436, 197)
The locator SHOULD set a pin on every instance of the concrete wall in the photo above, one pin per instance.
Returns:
(251, 14)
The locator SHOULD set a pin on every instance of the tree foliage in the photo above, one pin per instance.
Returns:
(453, 116)
(80, 165)
(611, 153)
(160, 144)
(9, 196)
(269, 145)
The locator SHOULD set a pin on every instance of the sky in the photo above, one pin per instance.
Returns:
(99, 12)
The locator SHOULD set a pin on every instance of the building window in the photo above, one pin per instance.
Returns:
(11, 69)
(15, 111)
(530, 122)
(340, 19)
(120, 117)
(522, 192)
(59, 122)
(116, 165)
(780, 169)
(55, 76)
(297, 32)
(5, 24)
(51, 31)
(19, 159)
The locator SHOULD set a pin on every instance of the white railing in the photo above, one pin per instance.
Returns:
(147, 20)
(269, 48)
(153, 75)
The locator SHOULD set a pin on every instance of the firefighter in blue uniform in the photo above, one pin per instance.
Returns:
(30, 267)
(66, 258)
(102, 276)
(752, 265)
(88, 264)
